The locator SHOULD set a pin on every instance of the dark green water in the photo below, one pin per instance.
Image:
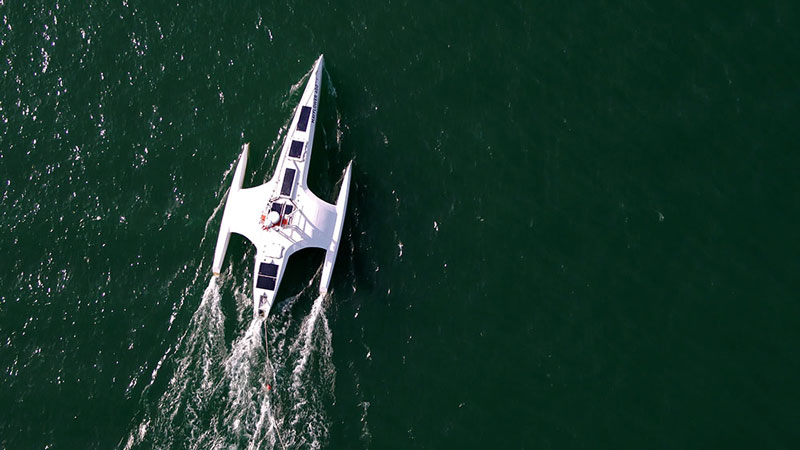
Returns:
(570, 226)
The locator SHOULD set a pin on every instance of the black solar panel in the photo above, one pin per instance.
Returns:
(266, 283)
(268, 269)
(305, 113)
(288, 182)
(276, 207)
(296, 149)
(288, 210)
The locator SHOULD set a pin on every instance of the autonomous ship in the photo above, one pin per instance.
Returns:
(283, 216)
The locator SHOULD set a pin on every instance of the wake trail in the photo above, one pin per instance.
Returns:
(312, 375)
(306, 338)
(242, 382)
(191, 388)
(217, 397)
(287, 414)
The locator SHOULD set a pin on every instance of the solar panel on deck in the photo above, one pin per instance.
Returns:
(288, 210)
(268, 269)
(276, 207)
(302, 124)
(288, 181)
(266, 283)
(296, 149)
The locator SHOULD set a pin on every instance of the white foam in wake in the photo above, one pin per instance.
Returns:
(190, 390)
(306, 336)
(300, 372)
(312, 380)
(242, 382)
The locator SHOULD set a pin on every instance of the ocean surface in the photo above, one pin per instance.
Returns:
(571, 225)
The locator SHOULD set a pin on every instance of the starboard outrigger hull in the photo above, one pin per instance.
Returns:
(282, 215)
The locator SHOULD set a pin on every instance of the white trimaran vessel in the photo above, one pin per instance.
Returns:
(282, 215)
